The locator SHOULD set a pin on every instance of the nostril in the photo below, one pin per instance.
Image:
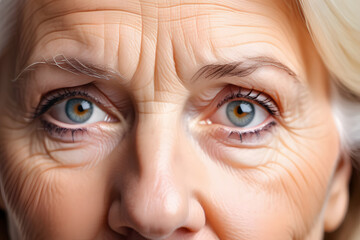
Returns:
(156, 216)
(152, 235)
(135, 236)
(127, 233)
(123, 231)
(149, 218)
(154, 206)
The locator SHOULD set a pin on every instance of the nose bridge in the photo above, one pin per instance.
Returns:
(155, 139)
(158, 204)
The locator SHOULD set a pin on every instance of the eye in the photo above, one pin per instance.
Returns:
(241, 114)
(77, 111)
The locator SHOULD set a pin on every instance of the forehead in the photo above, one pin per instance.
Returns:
(188, 33)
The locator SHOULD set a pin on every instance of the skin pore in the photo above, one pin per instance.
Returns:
(164, 161)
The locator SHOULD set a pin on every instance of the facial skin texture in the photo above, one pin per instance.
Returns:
(165, 167)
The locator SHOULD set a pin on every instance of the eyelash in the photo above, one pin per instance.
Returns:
(53, 98)
(256, 132)
(255, 96)
(52, 128)
(267, 103)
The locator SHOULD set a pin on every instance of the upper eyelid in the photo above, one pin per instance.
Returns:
(50, 100)
(239, 95)
(248, 95)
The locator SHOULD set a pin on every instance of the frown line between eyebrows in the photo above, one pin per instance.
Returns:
(72, 65)
(240, 69)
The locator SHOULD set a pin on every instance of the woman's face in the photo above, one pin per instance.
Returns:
(167, 120)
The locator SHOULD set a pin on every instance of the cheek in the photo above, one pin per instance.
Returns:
(240, 208)
(66, 203)
(284, 197)
(48, 196)
(76, 210)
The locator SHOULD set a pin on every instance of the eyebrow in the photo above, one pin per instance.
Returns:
(210, 71)
(239, 69)
(72, 65)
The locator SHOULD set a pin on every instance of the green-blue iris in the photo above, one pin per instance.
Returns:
(79, 110)
(240, 113)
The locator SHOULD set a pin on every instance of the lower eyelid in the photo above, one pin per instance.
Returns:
(71, 133)
(243, 136)
(108, 119)
(63, 134)
(48, 118)
(235, 137)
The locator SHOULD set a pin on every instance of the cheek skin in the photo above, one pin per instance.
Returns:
(275, 189)
(87, 150)
(54, 182)
(68, 201)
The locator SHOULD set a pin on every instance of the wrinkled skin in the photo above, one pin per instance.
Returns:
(161, 168)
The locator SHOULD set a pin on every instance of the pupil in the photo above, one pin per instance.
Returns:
(80, 108)
(239, 110)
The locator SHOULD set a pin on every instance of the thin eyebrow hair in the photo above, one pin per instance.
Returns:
(72, 65)
(239, 69)
(211, 71)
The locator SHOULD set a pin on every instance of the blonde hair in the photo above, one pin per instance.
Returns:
(335, 28)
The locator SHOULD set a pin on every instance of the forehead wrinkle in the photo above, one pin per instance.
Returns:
(77, 32)
(218, 47)
(269, 36)
(272, 43)
(198, 40)
(227, 45)
(219, 8)
(67, 25)
(244, 22)
(212, 4)
(82, 29)
(55, 8)
(31, 10)
(200, 16)
(272, 39)
(40, 13)
(138, 13)
(95, 11)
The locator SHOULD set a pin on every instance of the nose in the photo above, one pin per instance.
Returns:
(155, 198)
